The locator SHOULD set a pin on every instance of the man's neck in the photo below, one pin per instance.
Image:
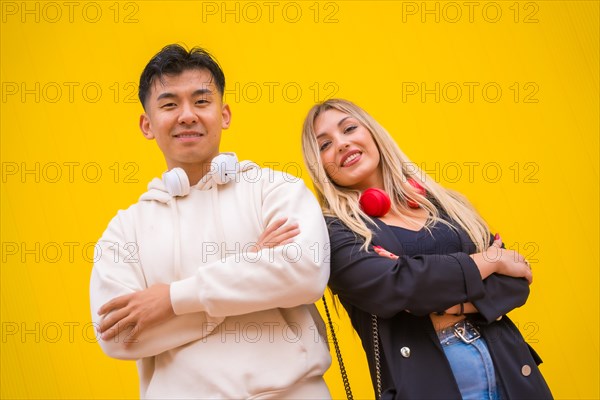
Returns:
(195, 172)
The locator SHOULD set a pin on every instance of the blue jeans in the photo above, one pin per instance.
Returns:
(472, 366)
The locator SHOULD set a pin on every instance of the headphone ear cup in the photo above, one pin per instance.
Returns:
(226, 168)
(176, 182)
(375, 202)
(419, 189)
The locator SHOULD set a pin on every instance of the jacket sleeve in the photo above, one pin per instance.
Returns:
(279, 277)
(385, 287)
(116, 272)
(502, 294)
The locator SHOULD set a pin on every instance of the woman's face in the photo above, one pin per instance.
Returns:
(348, 151)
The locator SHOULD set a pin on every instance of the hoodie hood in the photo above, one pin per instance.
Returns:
(157, 189)
(224, 169)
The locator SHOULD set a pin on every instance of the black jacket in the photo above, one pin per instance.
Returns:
(367, 283)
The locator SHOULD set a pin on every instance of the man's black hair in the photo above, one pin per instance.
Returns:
(173, 60)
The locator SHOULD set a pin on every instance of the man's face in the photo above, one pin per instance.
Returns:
(185, 114)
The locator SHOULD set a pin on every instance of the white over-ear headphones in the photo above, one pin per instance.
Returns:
(176, 182)
(223, 169)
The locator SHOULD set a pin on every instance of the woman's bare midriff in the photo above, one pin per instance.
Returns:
(443, 321)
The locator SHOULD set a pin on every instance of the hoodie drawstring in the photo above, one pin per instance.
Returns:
(176, 238)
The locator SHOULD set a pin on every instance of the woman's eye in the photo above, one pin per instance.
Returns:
(324, 146)
(350, 128)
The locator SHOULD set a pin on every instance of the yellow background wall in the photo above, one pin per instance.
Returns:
(498, 100)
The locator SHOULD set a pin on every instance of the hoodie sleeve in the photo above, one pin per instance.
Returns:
(117, 272)
(280, 277)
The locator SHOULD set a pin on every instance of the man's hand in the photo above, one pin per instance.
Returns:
(149, 307)
(277, 235)
(135, 312)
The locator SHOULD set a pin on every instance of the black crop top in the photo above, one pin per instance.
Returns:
(439, 239)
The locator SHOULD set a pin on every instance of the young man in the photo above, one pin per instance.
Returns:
(202, 281)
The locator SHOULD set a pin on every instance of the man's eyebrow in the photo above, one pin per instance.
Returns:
(199, 92)
(202, 91)
(340, 122)
(166, 95)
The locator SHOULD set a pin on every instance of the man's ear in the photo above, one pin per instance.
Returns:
(145, 127)
(226, 116)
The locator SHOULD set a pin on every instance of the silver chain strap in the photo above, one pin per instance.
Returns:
(338, 353)
(377, 356)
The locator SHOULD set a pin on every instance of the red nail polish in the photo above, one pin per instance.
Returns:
(497, 236)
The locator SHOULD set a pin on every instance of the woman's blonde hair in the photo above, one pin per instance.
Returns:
(342, 202)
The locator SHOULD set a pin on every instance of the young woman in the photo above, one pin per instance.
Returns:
(426, 286)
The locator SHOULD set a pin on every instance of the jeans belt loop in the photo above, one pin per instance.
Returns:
(466, 332)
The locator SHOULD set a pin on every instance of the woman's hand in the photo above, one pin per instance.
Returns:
(502, 261)
(384, 253)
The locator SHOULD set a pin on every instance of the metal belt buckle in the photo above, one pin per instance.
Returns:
(463, 333)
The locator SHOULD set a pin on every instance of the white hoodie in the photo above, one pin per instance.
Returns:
(245, 326)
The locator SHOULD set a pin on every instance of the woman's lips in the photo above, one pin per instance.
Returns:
(351, 158)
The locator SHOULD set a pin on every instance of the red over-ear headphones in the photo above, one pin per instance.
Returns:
(419, 189)
(376, 202)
